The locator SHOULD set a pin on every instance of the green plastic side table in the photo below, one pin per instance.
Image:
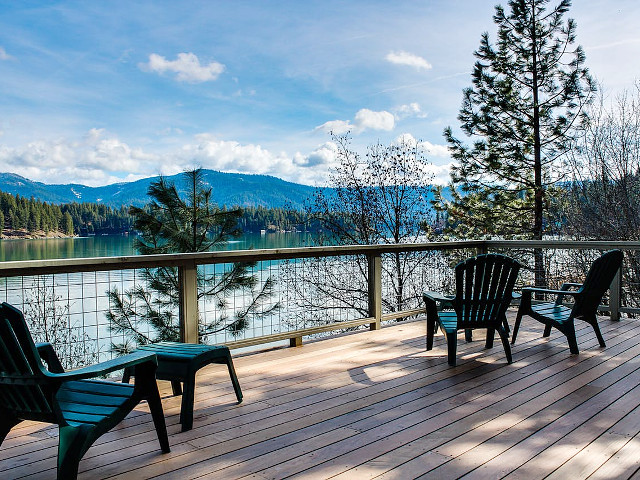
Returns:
(179, 362)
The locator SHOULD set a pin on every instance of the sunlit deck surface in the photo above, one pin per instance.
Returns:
(375, 404)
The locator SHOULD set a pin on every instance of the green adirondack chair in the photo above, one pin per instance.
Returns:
(83, 408)
(484, 289)
(587, 295)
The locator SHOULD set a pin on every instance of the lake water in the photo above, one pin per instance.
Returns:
(122, 245)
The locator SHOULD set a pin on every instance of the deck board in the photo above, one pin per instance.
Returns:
(376, 404)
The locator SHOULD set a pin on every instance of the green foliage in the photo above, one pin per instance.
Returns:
(34, 216)
(172, 224)
(68, 223)
(255, 219)
(527, 95)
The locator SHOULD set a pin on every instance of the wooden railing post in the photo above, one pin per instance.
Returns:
(614, 296)
(188, 284)
(375, 290)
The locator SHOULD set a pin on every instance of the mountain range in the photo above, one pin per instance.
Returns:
(227, 189)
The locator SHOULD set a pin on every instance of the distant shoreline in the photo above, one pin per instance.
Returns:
(26, 235)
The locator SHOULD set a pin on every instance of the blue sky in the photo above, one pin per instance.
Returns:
(100, 92)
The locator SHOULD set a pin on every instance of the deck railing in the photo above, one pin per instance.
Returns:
(71, 293)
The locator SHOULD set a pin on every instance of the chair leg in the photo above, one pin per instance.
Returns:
(431, 329)
(516, 326)
(7, 422)
(504, 336)
(491, 332)
(126, 376)
(155, 407)
(570, 332)
(176, 387)
(146, 388)
(596, 328)
(547, 330)
(72, 445)
(188, 396)
(234, 378)
(468, 335)
(452, 345)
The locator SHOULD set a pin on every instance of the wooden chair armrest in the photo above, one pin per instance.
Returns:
(527, 291)
(48, 354)
(566, 286)
(530, 290)
(92, 371)
(445, 301)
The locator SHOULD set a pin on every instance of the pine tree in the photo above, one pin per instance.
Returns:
(67, 224)
(171, 224)
(527, 95)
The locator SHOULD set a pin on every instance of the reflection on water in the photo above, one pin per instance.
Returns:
(122, 245)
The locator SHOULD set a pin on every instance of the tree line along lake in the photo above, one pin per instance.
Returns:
(123, 245)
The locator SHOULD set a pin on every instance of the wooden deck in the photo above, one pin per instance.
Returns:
(377, 405)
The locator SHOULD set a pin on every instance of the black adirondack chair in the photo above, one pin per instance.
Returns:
(484, 286)
(587, 297)
(83, 408)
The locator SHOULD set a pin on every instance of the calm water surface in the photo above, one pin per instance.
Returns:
(122, 245)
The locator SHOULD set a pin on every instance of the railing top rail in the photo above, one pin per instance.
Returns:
(70, 265)
(562, 244)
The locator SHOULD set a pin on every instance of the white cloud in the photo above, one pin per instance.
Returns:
(4, 55)
(431, 149)
(440, 173)
(324, 155)
(410, 110)
(96, 159)
(230, 156)
(438, 157)
(364, 119)
(170, 131)
(441, 151)
(409, 59)
(338, 127)
(100, 158)
(187, 67)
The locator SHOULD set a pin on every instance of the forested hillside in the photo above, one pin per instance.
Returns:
(20, 216)
(23, 217)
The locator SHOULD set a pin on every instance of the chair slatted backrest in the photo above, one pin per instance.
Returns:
(484, 286)
(597, 282)
(25, 389)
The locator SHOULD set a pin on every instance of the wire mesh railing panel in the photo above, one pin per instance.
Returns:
(630, 282)
(406, 275)
(321, 291)
(239, 301)
(71, 311)
(282, 296)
